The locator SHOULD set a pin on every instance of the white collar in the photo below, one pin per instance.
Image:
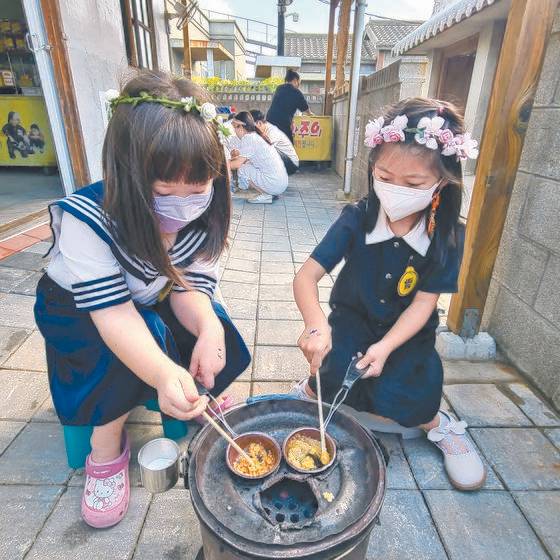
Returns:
(417, 237)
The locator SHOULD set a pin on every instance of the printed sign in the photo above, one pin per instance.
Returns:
(25, 134)
(312, 137)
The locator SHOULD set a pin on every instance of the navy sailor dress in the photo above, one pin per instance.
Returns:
(88, 271)
(372, 290)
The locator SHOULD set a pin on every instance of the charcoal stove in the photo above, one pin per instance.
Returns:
(324, 516)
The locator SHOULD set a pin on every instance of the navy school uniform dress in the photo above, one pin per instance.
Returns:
(379, 279)
(89, 270)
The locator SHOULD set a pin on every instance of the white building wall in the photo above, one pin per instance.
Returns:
(485, 63)
(97, 52)
(162, 39)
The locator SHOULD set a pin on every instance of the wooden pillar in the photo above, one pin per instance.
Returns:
(187, 62)
(327, 101)
(521, 58)
(342, 41)
(65, 86)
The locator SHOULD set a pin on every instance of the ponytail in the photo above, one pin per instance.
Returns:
(247, 119)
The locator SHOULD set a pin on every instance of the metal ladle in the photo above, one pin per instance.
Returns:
(352, 375)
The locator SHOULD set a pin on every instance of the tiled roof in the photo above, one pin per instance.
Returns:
(313, 46)
(384, 34)
(441, 21)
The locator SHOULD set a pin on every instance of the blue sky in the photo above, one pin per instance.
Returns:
(313, 14)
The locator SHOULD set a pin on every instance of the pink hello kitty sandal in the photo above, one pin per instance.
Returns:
(107, 490)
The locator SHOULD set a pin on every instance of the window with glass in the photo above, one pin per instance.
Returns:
(139, 33)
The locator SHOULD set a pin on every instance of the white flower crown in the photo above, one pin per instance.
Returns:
(429, 132)
(207, 110)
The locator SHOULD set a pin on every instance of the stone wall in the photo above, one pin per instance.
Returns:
(523, 308)
(404, 78)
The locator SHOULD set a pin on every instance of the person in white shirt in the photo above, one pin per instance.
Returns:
(257, 161)
(230, 142)
(278, 139)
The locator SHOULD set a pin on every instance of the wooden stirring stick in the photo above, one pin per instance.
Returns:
(321, 420)
(227, 437)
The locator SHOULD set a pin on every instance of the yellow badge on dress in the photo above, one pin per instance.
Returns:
(407, 282)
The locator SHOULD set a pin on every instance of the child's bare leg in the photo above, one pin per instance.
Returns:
(106, 440)
(434, 423)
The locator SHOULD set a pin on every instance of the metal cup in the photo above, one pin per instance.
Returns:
(159, 464)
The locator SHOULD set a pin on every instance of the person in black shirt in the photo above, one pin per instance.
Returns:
(287, 99)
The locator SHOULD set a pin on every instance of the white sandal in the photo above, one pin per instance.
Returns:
(299, 391)
(464, 467)
(262, 198)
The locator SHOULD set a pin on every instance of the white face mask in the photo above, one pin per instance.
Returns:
(399, 202)
(175, 212)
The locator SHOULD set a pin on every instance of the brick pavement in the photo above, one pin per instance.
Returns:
(514, 517)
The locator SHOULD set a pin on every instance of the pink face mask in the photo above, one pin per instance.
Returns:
(175, 212)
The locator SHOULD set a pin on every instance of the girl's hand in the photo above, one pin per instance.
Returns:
(234, 153)
(315, 343)
(178, 396)
(209, 354)
(375, 358)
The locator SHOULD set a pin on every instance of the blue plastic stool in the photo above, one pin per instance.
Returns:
(77, 438)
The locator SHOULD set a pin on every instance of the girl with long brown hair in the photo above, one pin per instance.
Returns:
(127, 306)
(402, 247)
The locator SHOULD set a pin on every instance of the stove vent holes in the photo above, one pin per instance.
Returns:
(289, 503)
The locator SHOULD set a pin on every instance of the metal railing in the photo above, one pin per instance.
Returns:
(255, 32)
(250, 93)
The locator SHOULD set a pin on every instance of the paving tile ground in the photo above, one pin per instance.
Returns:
(542, 509)
(483, 525)
(514, 517)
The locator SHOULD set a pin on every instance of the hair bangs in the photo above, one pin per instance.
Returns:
(184, 150)
(151, 142)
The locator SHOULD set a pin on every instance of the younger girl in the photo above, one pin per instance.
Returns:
(402, 248)
(126, 306)
(258, 163)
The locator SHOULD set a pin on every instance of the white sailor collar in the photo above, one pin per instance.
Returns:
(417, 237)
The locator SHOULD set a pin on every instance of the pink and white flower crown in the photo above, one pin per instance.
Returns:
(429, 132)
